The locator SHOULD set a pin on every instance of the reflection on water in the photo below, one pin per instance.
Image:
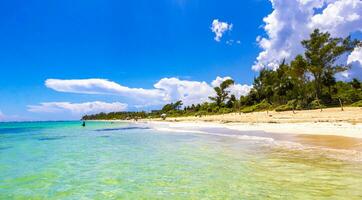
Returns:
(148, 164)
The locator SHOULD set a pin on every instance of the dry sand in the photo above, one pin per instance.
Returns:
(331, 128)
(331, 121)
(350, 115)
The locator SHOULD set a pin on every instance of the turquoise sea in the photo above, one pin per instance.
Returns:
(63, 160)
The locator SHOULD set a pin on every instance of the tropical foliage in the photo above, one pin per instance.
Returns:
(307, 82)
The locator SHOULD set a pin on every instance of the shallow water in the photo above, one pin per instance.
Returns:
(62, 160)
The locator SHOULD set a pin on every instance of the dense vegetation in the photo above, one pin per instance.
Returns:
(307, 82)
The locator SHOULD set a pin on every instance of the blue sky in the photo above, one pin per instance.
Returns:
(132, 43)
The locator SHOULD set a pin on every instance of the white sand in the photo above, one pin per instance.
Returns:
(331, 121)
(320, 128)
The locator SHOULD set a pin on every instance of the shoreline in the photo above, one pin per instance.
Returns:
(331, 121)
(330, 130)
(327, 136)
(306, 128)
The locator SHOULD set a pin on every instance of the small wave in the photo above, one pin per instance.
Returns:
(177, 130)
(237, 136)
(51, 138)
(121, 129)
(248, 137)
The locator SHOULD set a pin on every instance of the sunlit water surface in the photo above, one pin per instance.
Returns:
(62, 160)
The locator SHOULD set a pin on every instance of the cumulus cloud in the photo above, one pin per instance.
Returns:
(190, 92)
(240, 90)
(293, 20)
(340, 18)
(355, 61)
(77, 108)
(219, 28)
(236, 89)
(103, 86)
(355, 56)
(165, 90)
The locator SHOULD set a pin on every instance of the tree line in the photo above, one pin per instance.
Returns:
(307, 82)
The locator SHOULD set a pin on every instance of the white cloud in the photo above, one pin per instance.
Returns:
(355, 56)
(165, 90)
(340, 18)
(236, 89)
(293, 20)
(355, 60)
(219, 80)
(219, 28)
(103, 86)
(240, 90)
(190, 92)
(77, 108)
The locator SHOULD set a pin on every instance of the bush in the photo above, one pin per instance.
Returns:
(285, 107)
(264, 105)
(326, 99)
(301, 105)
(357, 104)
(291, 105)
(316, 105)
(225, 110)
(351, 96)
(201, 113)
(248, 109)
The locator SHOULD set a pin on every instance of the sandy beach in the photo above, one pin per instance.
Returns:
(330, 128)
(352, 115)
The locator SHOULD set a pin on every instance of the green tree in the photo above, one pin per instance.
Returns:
(221, 92)
(298, 70)
(356, 84)
(265, 85)
(178, 105)
(328, 80)
(172, 106)
(321, 53)
(231, 102)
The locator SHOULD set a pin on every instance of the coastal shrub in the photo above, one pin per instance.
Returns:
(248, 109)
(284, 107)
(301, 105)
(201, 113)
(316, 105)
(357, 104)
(225, 110)
(264, 105)
(351, 96)
(291, 105)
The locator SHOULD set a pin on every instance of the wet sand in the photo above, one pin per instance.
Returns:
(331, 141)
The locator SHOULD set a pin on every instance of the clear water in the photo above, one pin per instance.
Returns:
(62, 160)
